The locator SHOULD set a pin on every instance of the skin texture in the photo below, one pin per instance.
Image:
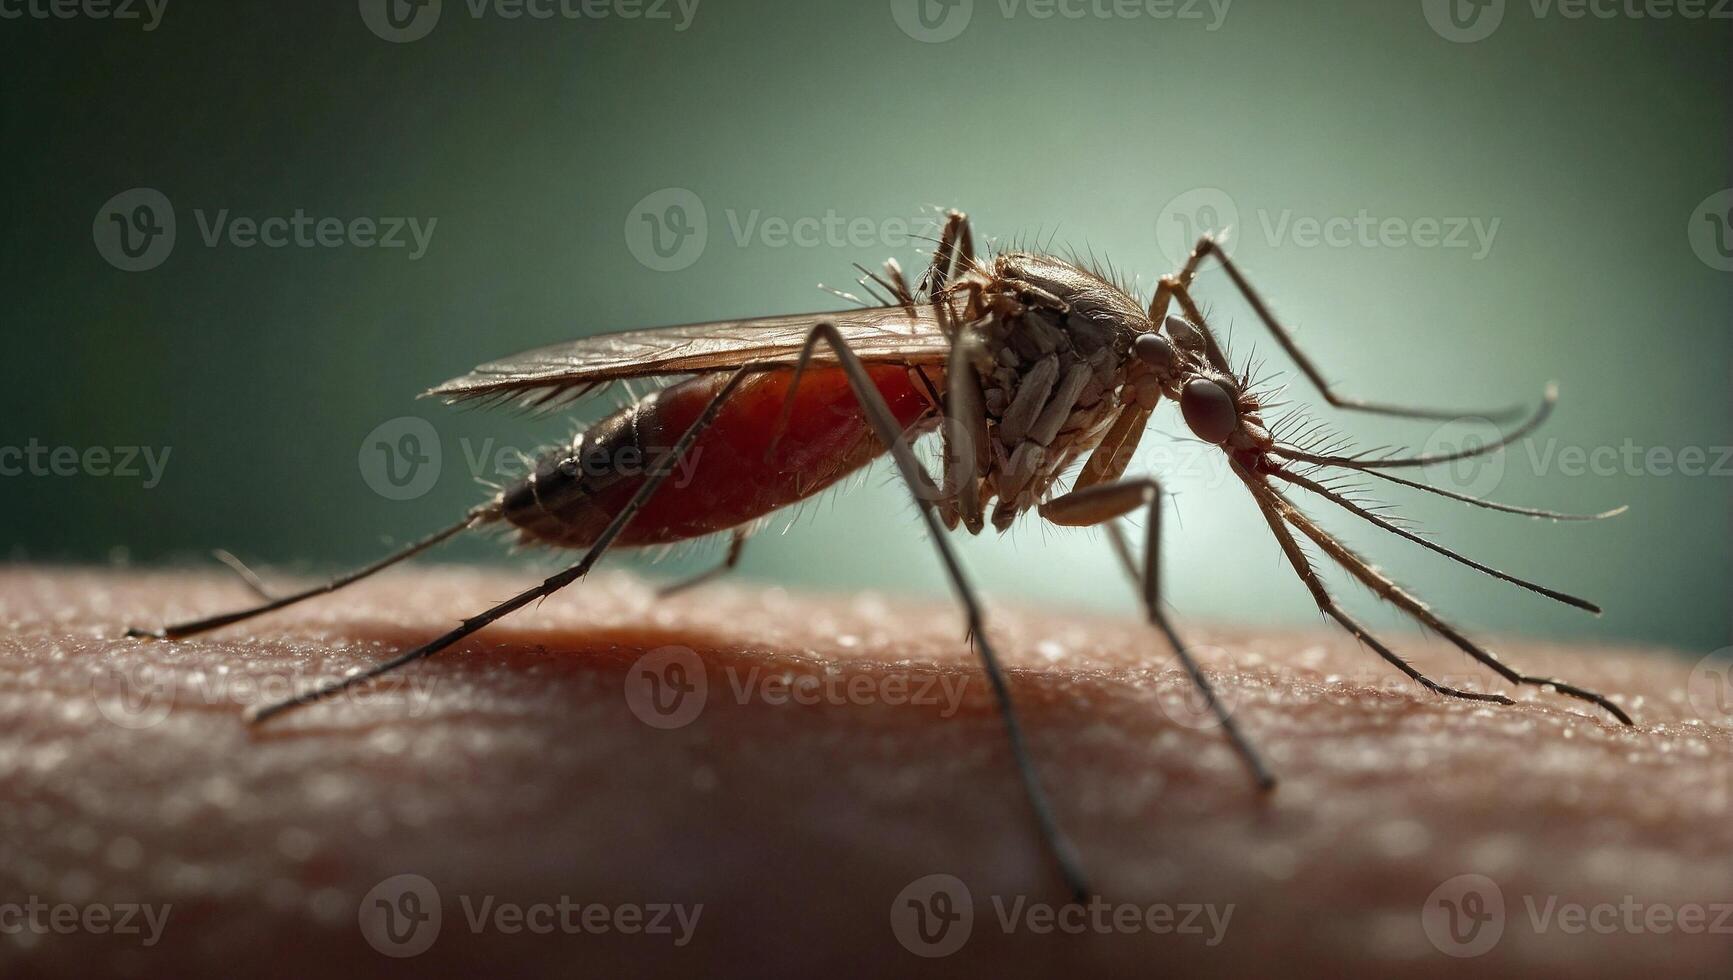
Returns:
(520, 771)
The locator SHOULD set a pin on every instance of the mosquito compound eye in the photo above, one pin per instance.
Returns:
(1154, 350)
(1209, 409)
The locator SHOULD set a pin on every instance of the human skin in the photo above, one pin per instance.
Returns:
(517, 770)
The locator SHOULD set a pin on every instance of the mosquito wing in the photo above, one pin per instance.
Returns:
(879, 333)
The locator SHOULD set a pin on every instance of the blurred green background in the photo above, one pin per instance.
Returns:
(1346, 143)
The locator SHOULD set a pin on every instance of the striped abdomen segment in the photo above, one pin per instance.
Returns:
(725, 480)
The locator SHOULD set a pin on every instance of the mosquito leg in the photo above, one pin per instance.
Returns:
(965, 438)
(1113, 454)
(736, 544)
(191, 627)
(956, 251)
(1271, 506)
(1122, 550)
(1105, 503)
(1529, 424)
(1180, 285)
(1407, 602)
(248, 577)
(547, 587)
(890, 433)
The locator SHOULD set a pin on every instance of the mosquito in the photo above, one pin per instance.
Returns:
(1025, 364)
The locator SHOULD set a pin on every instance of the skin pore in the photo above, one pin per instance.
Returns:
(840, 750)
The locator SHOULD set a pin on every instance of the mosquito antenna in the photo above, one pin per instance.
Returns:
(1533, 422)
(1553, 515)
(1401, 532)
(869, 274)
(846, 297)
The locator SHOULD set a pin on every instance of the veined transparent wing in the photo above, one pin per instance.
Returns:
(876, 334)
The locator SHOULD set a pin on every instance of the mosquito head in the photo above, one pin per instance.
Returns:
(1192, 370)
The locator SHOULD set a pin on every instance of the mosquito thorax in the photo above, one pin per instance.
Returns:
(1054, 363)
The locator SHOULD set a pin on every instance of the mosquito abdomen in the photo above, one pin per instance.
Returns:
(730, 477)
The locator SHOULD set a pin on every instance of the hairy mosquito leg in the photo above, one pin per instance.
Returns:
(1386, 587)
(1180, 284)
(1122, 550)
(1270, 505)
(920, 484)
(176, 631)
(549, 586)
(736, 545)
(1105, 503)
(964, 435)
(956, 251)
(1535, 418)
(248, 577)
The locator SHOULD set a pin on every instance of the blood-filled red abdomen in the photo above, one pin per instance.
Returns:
(725, 479)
